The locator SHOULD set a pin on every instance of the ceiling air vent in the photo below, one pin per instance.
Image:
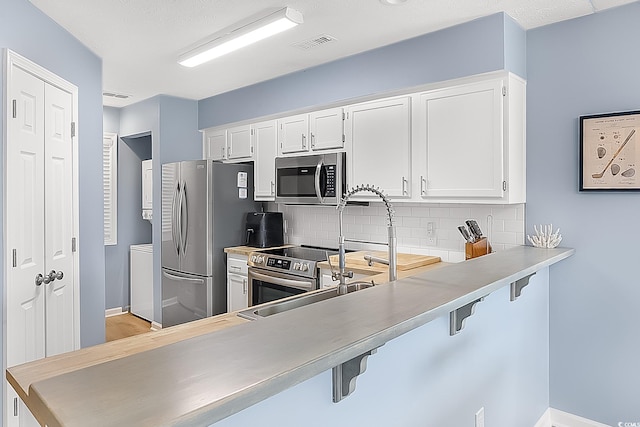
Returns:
(116, 95)
(315, 42)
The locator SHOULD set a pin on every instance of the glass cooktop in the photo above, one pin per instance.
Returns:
(308, 253)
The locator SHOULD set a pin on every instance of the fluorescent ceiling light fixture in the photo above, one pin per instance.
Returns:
(241, 36)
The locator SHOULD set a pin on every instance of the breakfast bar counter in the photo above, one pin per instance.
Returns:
(213, 374)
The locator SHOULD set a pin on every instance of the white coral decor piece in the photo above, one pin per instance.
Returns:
(545, 237)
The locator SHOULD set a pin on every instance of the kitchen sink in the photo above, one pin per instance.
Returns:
(280, 306)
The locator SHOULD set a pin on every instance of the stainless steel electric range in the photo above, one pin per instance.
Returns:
(280, 273)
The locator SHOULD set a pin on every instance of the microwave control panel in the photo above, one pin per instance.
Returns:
(331, 181)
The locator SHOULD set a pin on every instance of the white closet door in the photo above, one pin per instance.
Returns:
(25, 217)
(58, 204)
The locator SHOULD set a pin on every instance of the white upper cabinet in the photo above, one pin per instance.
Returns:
(378, 140)
(459, 141)
(239, 144)
(326, 129)
(265, 142)
(319, 130)
(470, 142)
(292, 133)
(215, 144)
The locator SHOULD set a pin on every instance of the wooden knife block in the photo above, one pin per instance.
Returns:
(476, 249)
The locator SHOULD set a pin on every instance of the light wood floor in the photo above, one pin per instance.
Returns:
(125, 325)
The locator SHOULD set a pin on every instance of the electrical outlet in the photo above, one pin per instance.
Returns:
(480, 417)
(432, 241)
(431, 229)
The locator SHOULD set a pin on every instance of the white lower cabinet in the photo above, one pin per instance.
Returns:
(470, 142)
(237, 282)
(378, 141)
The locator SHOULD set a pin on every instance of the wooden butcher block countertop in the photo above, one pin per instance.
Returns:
(355, 262)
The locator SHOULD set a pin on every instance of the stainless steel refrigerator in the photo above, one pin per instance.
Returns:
(203, 210)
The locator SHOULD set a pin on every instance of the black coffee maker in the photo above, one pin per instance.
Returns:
(264, 229)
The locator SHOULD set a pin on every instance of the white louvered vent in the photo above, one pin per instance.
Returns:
(110, 185)
(315, 42)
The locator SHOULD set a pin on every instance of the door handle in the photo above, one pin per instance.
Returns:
(59, 275)
(273, 185)
(51, 277)
(317, 179)
(39, 279)
(244, 286)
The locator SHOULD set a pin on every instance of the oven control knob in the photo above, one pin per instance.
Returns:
(305, 267)
(259, 259)
(253, 258)
(296, 266)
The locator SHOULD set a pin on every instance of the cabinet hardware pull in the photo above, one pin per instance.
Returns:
(244, 286)
(304, 141)
(273, 186)
(422, 185)
(404, 182)
(313, 141)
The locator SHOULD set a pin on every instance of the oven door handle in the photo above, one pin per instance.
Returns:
(298, 284)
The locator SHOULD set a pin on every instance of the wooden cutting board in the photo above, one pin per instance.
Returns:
(405, 261)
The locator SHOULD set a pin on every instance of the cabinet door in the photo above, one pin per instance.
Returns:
(265, 141)
(461, 130)
(326, 129)
(239, 143)
(215, 144)
(147, 185)
(292, 133)
(379, 136)
(237, 292)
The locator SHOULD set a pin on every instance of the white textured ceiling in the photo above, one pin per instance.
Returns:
(140, 40)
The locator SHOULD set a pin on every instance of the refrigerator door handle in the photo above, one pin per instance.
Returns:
(184, 220)
(179, 223)
(174, 217)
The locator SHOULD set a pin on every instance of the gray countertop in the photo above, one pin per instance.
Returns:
(204, 379)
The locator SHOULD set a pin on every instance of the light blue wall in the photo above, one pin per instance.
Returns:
(27, 31)
(472, 48)
(111, 119)
(172, 125)
(427, 378)
(586, 66)
(132, 229)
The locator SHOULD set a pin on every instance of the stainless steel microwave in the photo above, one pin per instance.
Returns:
(310, 180)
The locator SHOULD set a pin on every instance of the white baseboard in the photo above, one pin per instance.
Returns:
(155, 326)
(114, 312)
(556, 418)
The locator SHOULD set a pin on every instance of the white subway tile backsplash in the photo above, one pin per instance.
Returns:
(318, 225)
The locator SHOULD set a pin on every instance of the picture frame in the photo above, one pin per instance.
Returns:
(610, 152)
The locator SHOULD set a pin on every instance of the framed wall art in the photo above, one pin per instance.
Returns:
(610, 152)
